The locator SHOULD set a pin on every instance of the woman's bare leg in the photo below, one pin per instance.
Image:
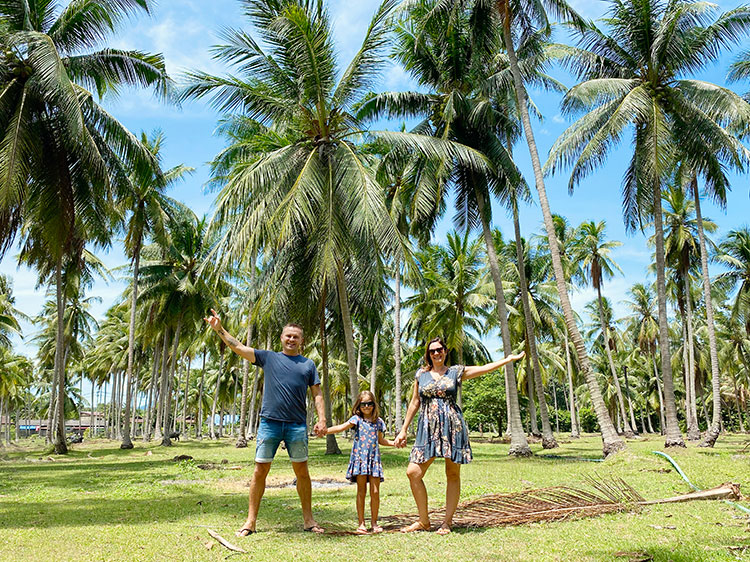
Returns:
(416, 473)
(452, 493)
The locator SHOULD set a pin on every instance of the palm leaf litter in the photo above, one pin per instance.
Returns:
(608, 495)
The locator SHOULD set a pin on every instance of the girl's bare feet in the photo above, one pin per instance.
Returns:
(361, 530)
(377, 529)
(444, 529)
(416, 526)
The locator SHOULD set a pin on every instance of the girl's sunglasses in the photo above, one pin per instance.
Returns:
(366, 404)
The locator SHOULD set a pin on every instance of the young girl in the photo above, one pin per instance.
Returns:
(364, 463)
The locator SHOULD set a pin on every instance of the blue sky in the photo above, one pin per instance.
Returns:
(184, 30)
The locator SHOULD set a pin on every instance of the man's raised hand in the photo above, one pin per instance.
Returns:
(213, 321)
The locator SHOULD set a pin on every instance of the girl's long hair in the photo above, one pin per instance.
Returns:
(427, 361)
(364, 396)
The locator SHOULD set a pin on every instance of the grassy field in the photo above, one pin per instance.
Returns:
(101, 503)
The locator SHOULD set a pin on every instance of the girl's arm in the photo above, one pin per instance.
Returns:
(383, 441)
(400, 440)
(339, 428)
(473, 371)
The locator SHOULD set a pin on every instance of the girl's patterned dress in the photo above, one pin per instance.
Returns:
(365, 457)
(441, 429)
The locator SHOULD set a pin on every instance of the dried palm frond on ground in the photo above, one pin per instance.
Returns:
(551, 504)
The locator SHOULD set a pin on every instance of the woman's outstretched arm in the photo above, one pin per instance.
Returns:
(473, 371)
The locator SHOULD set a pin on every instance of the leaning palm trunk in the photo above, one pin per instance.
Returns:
(162, 385)
(397, 341)
(611, 442)
(146, 431)
(167, 386)
(126, 442)
(519, 446)
(713, 431)
(575, 428)
(199, 420)
(673, 437)
(242, 438)
(61, 447)
(373, 372)
(346, 318)
(332, 447)
(548, 439)
(627, 430)
(662, 423)
(183, 420)
(215, 401)
(533, 425)
(691, 410)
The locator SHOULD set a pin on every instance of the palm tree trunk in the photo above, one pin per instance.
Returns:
(162, 385)
(373, 372)
(332, 447)
(519, 446)
(92, 419)
(253, 397)
(61, 447)
(713, 431)
(183, 421)
(627, 430)
(673, 436)
(691, 411)
(199, 420)
(126, 442)
(397, 341)
(611, 442)
(151, 395)
(575, 428)
(214, 403)
(548, 439)
(737, 402)
(534, 426)
(630, 402)
(662, 423)
(346, 318)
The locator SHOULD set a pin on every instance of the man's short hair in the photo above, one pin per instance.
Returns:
(293, 325)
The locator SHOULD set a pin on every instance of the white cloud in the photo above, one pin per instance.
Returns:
(558, 119)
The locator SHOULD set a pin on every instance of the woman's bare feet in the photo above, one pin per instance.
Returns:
(444, 529)
(376, 529)
(414, 527)
(361, 530)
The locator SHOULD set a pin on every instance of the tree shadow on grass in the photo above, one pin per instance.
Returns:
(278, 510)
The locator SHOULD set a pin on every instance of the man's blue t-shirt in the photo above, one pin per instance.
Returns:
(285, 382)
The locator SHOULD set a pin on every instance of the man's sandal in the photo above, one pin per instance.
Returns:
(244, 532)
(314, 529)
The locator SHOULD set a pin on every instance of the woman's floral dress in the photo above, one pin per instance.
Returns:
(441, 429)
(365, 456)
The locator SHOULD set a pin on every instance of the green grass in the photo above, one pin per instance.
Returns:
(101, 503)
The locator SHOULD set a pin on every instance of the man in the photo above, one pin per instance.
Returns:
(283, 415)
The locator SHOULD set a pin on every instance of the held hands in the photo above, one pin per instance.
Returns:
(213, 321)
(400, 441)
(321, 429)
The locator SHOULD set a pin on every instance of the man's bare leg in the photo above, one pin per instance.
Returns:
(304, 491)
(257, 488)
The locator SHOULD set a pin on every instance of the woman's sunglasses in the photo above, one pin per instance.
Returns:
(437, 350)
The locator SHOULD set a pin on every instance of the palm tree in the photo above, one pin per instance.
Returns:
(682, 254)
(593, 252)
(61, 154)
(312, 186)
(450, 52)
(9, 314)
(148, 209)
(734, 254)
(632, 77)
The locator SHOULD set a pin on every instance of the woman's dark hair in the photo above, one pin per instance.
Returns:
(427, 359)
(365, 396)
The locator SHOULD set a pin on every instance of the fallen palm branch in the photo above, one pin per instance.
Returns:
(553, 504)
(224, 542)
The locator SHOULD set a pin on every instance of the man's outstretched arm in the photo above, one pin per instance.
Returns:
(235, 345)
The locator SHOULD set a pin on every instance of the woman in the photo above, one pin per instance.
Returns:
(441, 430)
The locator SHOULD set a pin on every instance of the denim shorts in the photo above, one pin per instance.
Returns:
(272, 432)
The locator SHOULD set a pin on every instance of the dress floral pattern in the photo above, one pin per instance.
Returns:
(441, 429)
(365, 456)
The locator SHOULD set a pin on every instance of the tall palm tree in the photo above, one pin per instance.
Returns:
(61, 154)
(9, 314)
(312, 186)
(450, 51)
(734, 254)
(148, 208)
(633, 77)
(593, 252)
